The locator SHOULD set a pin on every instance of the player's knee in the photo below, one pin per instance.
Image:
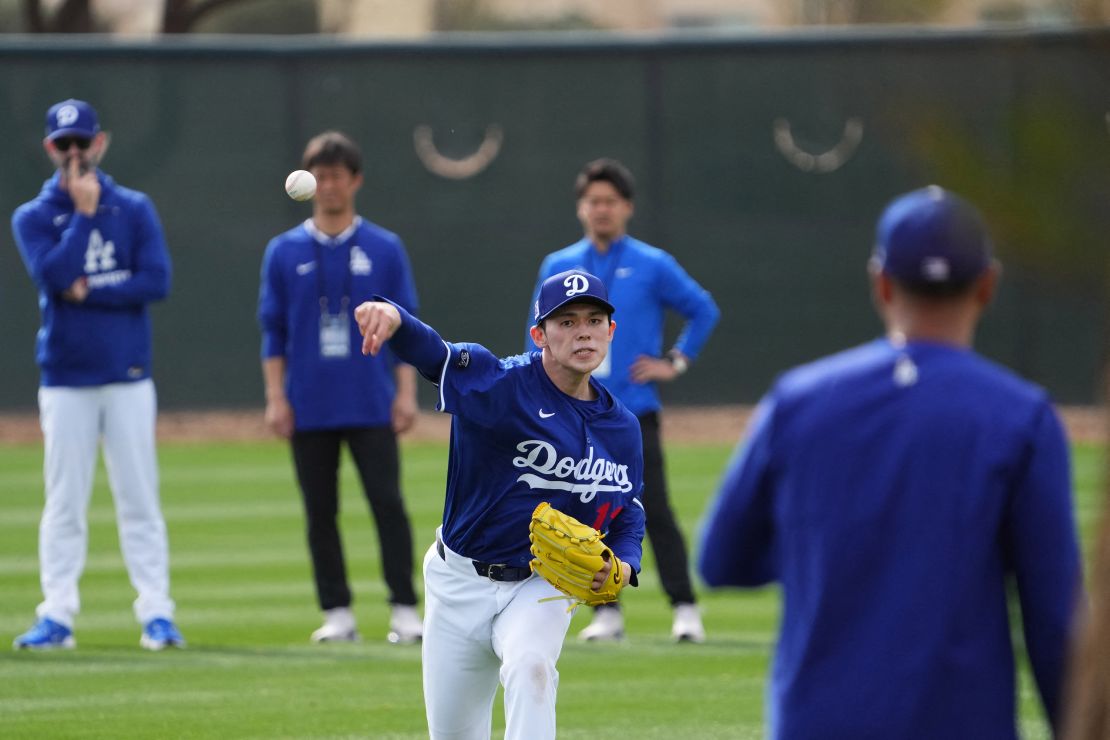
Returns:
(530, 671)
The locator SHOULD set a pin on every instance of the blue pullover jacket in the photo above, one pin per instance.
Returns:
(893, 491)
(122, 253)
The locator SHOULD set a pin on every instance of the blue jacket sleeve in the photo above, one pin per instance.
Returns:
(737, 541)
(418, 344)
(149, 279)
(683, 294)
(1042, 543)
(272, 302)
(52, 264)
(626, 533)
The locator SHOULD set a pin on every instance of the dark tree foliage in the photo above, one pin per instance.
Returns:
(74, 16)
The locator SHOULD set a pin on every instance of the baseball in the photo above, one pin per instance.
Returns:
(300, 185)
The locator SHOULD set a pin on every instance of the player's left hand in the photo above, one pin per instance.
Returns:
(78, 292)
(571, 557)
(377, 322)
(646, 369)
(602, 575)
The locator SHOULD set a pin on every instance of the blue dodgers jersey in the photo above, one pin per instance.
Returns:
(892, 490)
(517, 441)
(121, 252)
(299, 267)
(644, 282)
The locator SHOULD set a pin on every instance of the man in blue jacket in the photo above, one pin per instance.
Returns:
(97, 255)
(321, 392)
(644, 283)
(893, 489)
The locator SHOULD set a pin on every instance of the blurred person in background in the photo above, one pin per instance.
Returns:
(892, 490)
(644, 284)
(321, 391)
(98, 257)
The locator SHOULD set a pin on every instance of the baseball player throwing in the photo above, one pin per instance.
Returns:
(526, 430)
(97, 255)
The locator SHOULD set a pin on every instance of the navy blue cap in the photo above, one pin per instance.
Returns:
(931, 237)
(571, 286)
(71, 118)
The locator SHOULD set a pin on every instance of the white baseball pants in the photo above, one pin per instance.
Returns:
(478, 632)
(74, 423)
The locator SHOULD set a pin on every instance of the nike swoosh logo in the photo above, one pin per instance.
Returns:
(546, 416)
(623, 272)
(305, 267)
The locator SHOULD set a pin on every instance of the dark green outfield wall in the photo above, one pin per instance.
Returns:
(210, 129)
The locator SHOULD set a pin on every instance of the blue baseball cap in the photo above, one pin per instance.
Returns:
(932, 238)
(71, 118)
(571, 286)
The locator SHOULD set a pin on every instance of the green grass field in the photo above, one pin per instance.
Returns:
(245, 603)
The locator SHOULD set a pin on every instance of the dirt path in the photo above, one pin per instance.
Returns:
(720, 424)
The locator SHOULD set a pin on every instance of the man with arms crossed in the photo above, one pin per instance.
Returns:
(892, 489)
(97, 254)
(644, 282)
(524, 430)
(321, 392)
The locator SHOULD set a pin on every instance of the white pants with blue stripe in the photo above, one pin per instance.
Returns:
(75, 422)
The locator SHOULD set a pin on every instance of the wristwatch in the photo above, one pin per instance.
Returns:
(678, 362)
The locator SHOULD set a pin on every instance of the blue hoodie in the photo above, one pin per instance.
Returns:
(122, 253)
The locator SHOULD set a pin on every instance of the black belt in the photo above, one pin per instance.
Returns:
(492, 571)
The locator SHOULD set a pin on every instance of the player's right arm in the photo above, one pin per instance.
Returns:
(53, 264)
(463, 372)
(413, 341)
(738, 535)
(273, 320)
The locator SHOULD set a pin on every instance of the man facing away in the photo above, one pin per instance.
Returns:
(893, 489)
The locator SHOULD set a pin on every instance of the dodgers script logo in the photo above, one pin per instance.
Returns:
(542, 458)
(576, 284)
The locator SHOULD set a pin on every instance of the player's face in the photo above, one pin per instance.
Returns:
(336, 187)
(577, 336)
(86, 151)
(603, 212)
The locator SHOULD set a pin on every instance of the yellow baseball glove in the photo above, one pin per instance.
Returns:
(568, 554)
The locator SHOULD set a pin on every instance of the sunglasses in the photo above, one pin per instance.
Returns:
(63, 143)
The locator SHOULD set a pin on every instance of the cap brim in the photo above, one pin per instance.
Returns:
(579, 299)
(83, 133)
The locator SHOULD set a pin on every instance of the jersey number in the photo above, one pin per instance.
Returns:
(603, 512)
(100, 256)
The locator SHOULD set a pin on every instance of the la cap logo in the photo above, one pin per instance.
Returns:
(67, 115)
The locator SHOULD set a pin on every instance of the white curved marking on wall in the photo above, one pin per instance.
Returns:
(423, 141)
(825, 162)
